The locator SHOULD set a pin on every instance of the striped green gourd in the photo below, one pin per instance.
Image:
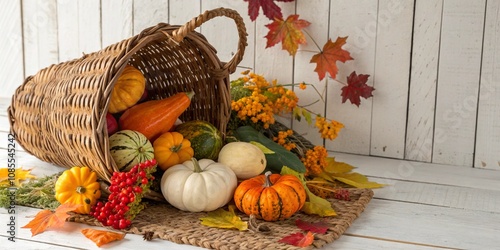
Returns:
(129, 148)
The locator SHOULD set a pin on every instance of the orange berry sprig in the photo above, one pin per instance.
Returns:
(328, 130)
(257, 100)
(315, 160)
(281, 139)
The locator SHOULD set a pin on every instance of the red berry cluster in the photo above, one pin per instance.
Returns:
(124, 202)
(342, 194)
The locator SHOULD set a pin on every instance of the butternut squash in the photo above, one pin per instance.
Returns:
(153, 118)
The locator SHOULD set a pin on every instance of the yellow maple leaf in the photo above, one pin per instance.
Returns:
(314, 204)
(357, 180)
(15, 176)
(336, 167)
(221, 218)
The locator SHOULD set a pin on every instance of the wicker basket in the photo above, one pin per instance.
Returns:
(59, 114)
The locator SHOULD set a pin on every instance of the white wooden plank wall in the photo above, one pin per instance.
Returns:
(11, 46)
(488, 122)
(357, 20)
(303, 70)
(435, 65)
(424, 73)
(458, 81)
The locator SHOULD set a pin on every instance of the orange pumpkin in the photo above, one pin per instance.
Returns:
(128, 90)
(270, 197)
(172, 148)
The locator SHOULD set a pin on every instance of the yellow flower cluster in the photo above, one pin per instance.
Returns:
(315, 160)
(265, 100)
(281, 139)
(328, 130)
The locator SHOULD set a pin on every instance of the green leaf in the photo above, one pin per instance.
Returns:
(315, 204)
(238, 92)
(221, 218)
(307, 116)
(296, 113)
(263, 148)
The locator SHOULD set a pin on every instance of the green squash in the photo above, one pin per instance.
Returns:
(129, 148)
(206, 139)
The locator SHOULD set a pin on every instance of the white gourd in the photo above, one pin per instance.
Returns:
(197, 186)
(245, 159)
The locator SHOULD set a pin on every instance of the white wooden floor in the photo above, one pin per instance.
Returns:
(425, 206)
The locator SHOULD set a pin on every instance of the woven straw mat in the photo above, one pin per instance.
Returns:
(169, 223)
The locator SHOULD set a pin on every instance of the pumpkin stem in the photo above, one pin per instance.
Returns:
(176, 148)
(197, 168)
(268, 182)
(81, 190)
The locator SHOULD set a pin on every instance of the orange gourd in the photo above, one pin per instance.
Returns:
(153, 118)
(270, 197)
(127, 91)
(172, 148)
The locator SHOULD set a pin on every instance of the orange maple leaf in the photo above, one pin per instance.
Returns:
(101, 237)
(326, 60)
(287, 32)
(46, 219)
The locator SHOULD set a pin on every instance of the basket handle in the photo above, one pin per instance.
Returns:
(179, 34)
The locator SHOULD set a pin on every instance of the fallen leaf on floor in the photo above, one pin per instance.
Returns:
(16, 177)
(102, 237)
(47, 219)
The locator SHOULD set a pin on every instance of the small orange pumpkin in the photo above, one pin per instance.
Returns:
(270, 197)
(128, 90)
(172, 148)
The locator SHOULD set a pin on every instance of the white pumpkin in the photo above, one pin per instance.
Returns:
(245, 159)
(197, 186)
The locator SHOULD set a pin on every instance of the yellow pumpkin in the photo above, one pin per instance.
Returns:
(128, 90)
(172, 148)
(78, 185)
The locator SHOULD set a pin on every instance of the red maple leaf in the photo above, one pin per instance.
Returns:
(270, 9)
(316, 227)
(298, 239)
(287, 32)
(326, 60)
(356, 87)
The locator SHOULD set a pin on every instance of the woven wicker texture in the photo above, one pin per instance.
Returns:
(169, 223)
(58, 115)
